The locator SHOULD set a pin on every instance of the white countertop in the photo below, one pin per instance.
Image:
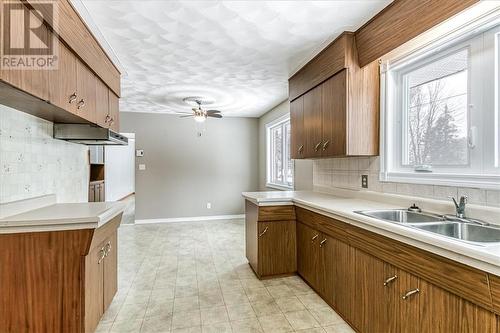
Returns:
(61, 216)
(343, 208)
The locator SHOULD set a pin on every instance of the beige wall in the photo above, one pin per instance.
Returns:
(302, 168)
(184, 172)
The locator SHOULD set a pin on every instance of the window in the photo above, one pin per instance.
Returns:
(279, 163)
(440, 113)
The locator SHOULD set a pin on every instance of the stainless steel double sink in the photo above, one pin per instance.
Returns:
(466, 230)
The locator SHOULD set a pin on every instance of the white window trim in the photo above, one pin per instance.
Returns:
(280, 120)
(479, 25)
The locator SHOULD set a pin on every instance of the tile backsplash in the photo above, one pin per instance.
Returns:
(32, 163)
(346, 173)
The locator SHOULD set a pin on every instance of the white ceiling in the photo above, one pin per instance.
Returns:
(239, 53)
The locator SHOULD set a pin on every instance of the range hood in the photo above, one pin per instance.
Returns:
(90, 135)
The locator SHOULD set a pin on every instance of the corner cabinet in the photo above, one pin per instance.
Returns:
(376, 284)
(334, 108)
(270, 240)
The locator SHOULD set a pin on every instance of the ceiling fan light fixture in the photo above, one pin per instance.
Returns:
(199, 118)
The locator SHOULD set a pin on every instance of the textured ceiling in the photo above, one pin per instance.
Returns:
(239, 53)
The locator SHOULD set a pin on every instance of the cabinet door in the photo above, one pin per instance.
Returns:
(307, 253)
(102, 104)
(114, 111)
(62, 83)
(33, 81)
(277, 248)
(93, 289)
(102, 194)
(91, 193)
(439, 309)
(409, 302)
(297, 128)
(97, 192)
(326, 269)
(110, 276)
(343, 282)
(312, 123)
(86, 91)
(333, 111)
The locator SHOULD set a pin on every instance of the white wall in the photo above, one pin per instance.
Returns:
(302, 168)
(33, 163)
(119, 170)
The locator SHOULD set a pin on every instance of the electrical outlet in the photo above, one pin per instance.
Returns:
(142, 167)
(209, 205)
(364, 181)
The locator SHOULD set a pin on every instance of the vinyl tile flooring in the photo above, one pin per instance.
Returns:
(194, 277)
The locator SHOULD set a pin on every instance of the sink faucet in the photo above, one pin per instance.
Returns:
(460, 206)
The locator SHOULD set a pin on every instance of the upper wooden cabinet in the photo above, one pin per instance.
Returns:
(335, 104)
(83, 86)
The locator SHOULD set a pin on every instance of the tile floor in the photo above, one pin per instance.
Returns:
(194, 277)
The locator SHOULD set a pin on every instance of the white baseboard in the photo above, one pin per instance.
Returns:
(190, 219)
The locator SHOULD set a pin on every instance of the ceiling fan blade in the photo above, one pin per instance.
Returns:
(181, 113)
(214, 115)
(213, 111)
(187, 116)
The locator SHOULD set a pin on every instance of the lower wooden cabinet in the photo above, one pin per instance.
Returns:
(270, 244)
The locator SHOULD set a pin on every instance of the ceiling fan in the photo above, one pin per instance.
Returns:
(198, 113)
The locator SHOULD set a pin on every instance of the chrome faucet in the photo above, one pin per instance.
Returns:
(460, 206)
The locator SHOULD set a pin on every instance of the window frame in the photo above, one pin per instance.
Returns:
(478, 174)
(281, 121)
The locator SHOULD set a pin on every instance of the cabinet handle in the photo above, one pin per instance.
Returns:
(111, 121)
(316, 148)
(389, 280)
(322, 242)
(263, 232)
(314, 238)
(327, 142)
(301, 149)
(72, 98)
(80, 104)
(410, 293)
(107, 249)
(103, 254)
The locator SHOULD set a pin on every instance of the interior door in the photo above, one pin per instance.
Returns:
(312, 123)
(334, 109)
(94, 267)
(307, 253)
(110, 269)
(297, 128)
(86, 91)
(62, 83)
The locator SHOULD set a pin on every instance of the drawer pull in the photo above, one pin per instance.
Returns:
(322, 242)
(107, 249)
(410, 293)
(263, 232)
(316, 148)
(325, 145)
(80, 104)
(301, 149)
(72, 98)
(314, 238)
(389, 280)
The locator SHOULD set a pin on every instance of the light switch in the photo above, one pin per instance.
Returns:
(142, 166)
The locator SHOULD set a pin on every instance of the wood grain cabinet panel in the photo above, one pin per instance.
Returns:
(297, 128)
(326, 267)
(312, 123)
(307, 254)
(110, 273)
(33, 81)
(94, 287)
(114, 112)
(62, 83)
(276, 213)
(333, 106)
(102, 104)
(86, 92)
(277, 248)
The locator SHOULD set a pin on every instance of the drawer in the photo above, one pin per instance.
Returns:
(276, 213)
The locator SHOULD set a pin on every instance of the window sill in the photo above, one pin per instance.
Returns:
(457, 180)
(279, 187)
